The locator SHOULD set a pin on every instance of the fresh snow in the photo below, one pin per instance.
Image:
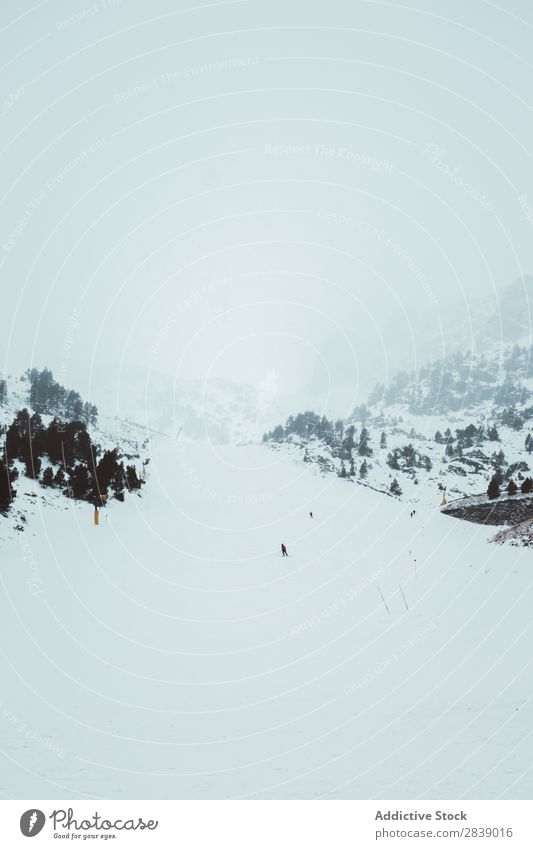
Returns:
(173, 653)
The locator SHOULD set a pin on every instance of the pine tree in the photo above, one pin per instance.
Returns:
(132, 479)
(48, 477)
(438, 436)
(395, 488)
(7, 475)
(363, 469)
(363, 449)
(117, 482)
(493, 489)
(18, 436)
(527, 486)
(392, 459)
(512, 488)
(529, 443)
(352, 468)
(33, 466)
(342, 473)
(383, 440)
(348, 442)
(80, 482)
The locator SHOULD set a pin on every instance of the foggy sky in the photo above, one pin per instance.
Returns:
(235, 190)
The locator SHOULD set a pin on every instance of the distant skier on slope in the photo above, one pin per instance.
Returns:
(284, 550)
(311, 514)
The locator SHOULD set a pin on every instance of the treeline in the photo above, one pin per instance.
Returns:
(48, 397)
(459, 381)
(494, 489)
(353, 448)
(62, 455)
(343, 440)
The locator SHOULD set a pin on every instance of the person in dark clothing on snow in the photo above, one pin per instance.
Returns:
(284, 550)
(311, 514)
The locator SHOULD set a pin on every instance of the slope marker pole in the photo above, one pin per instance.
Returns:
(383, 600)
(403, 596)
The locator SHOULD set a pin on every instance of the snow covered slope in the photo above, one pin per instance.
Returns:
(171, 652)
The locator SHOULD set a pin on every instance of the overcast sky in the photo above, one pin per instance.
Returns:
(251, 188)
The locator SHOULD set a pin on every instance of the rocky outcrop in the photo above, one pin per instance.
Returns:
(506, 510)
(519, 535)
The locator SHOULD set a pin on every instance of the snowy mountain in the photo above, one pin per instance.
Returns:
(499, 318)
(171, 652)
(450, 426)
(218, 411)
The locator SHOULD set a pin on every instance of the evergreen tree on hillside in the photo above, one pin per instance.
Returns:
(512, 488)
(117, 485)
(48, 477)
(110, 473)
(80, 482)
(7, 476)
(363, 469)
(493, 489)
(527, 486)
(511, 418)
(383, 440)
(18, 436)
(395, 488)
(46, 395)
(3, 391)
(348, 442)
(364, 449)
(52, 441)
(392, 459)
(33, 466)
(132, 479)
(529, 443)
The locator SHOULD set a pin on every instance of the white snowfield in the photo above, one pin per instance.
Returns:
(172, 652)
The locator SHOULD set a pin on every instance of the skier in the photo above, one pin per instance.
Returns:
(311, 514)
(284, 550)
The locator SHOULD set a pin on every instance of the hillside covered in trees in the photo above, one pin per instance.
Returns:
(453, 427)
(49, 442)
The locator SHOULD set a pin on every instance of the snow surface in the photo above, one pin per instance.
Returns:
(172, 652)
